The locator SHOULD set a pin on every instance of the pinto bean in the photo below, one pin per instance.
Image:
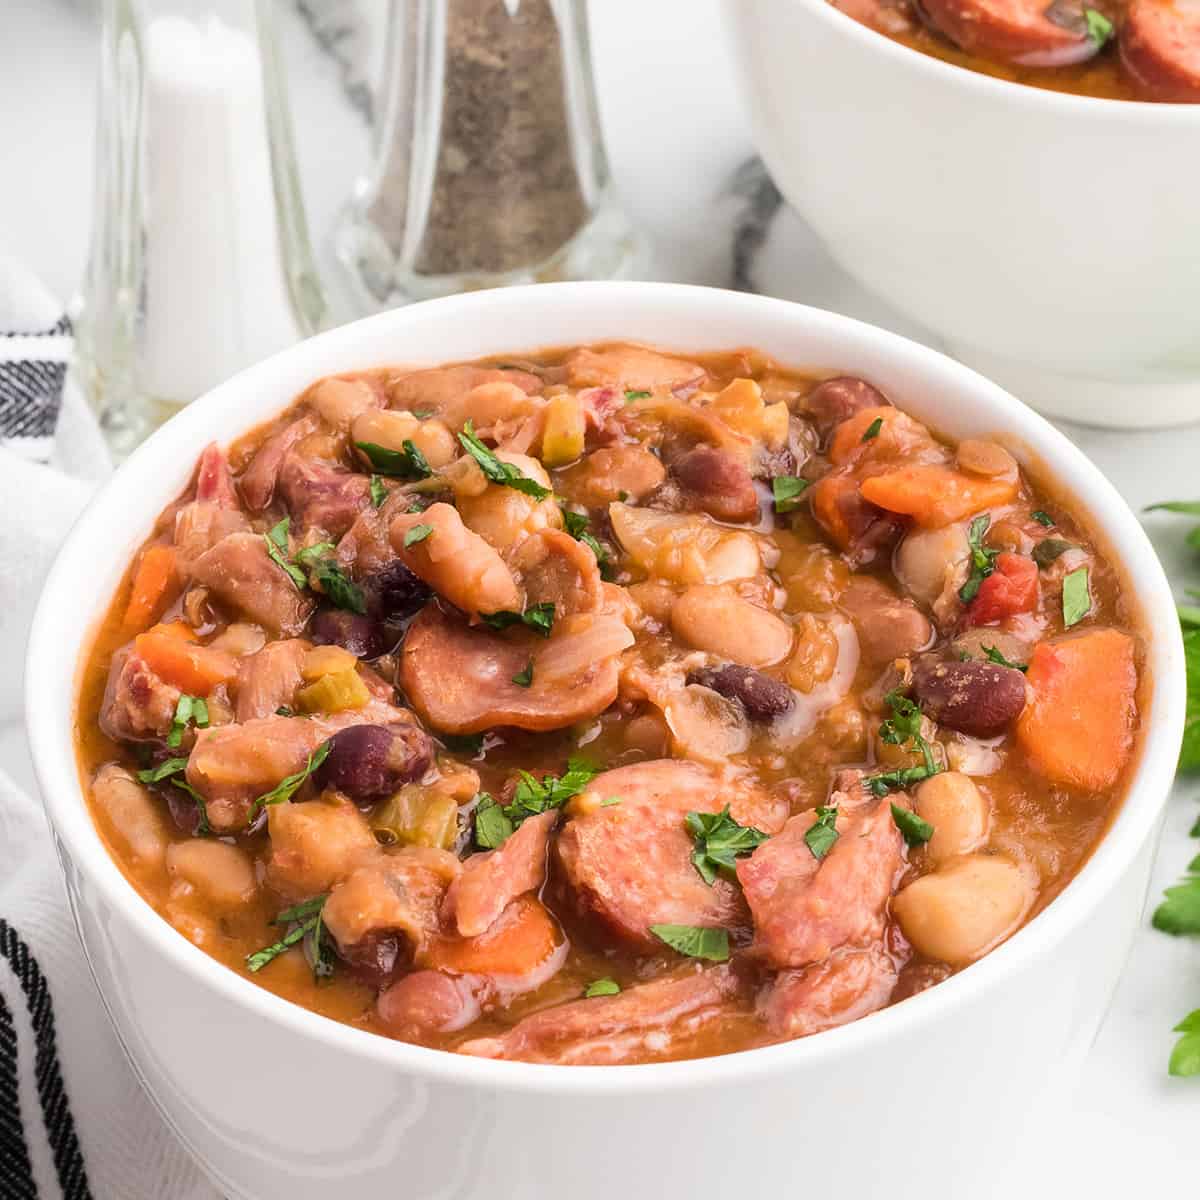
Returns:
(887, 626)
(717, 483)
(716, 619)
(958, 812)
(606, 473)
(929, 561)
(222, 874)
(762, 697)
(835, 400)
(978, 698)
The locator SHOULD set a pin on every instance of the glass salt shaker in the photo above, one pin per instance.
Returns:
(200, 261)
(488, 165)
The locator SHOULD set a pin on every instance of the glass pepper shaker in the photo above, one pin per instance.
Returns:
(488, 166)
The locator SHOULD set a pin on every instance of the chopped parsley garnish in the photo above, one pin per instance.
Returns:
(695, 941)
(496, 471)
(287, 787)
(307, 928)
(495, 823)
(1189, 757)
(601, 987)
(1076, 597)
(576, 524)
(719, 841)
(470, 744)
(171, 771)
(787, 491)
(1099, 27)
(610, 801)
(524, 678)
(1048, 550)
(915, 830)
(901, 728)
(1185, 1058)
(994, 655)
(276, 539)
(379, 493)
(983, 559)
(873, 429)
(284, 711)
(1043, 518)
(417, 534)
(408, 463)
(823, 832)
(326, 572)
(904, 724)
(187, 709)
(631, 395)
(164, 770)
(493, 826)
(539, 618)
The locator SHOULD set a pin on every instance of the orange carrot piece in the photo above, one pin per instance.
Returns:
(847, 441)
(935, 495)
(154, 584)
(1077, 730)
(833, 496)
(520, 940)
(192, 668)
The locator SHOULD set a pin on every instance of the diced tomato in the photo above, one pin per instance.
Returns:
(1010, 589)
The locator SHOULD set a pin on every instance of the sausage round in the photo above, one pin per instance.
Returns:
(1015, 31)
(1160, 49)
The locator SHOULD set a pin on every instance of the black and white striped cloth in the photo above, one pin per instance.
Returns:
(33, 366)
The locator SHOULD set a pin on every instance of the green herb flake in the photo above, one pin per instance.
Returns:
(493, 826)
(188, 709)
(538, 617)
(333, 582)
(308, 929)
(610, 801)
(1049, 550)
(1190, 508)
(1185, 1058)
(720, 840)
(379, 492)
(284, 711)
(823, 832)
(407, 463)
(164, 770)
(994, 655)
(287, 787)
(873, 429)
(1043, 518)
(694, 941)
(576, 524)
(1076, 597)
(496, 471)
(631, 395)
(531, 797)
(915, 830)
(276, 539)
(524, 678)
(1189, 756)
(983, 559)
(903, 727)
(1179, 912)
(788, 491)
(417, 534)
(601, 987)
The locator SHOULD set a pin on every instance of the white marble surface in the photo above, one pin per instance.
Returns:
(677, 137)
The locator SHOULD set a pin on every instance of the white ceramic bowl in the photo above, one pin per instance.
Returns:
(276, 1101)
(1052, 240)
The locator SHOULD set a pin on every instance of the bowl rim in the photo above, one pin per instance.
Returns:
(82, 849)
(988, 87)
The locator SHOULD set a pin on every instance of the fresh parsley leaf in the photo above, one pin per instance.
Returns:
(1190, 508)
(260, 958)
(900, 779)
(576, 524)
(994, 655)
(470, 744)
(1099, 27)
(873, 429)
(164, 770)
(631, 396)
(1189, 756)
(1179, 912)
(338, 586)
(601, 987)
(187, 709)
(497, 471)
(915, 830)
(983, 559)
(539, 618)
(610, 801)
(423, 414)
(407, 463)
(1189, 615)
(309, 556)
(493, 826)
(171, 771)
(1049, 549)
(1076, 598)
(524, 678)
(287, 787)
(695, 941)
(787, 491)
(308, 929)
(823, 832)
(1185, 1058)
(904, 725)
(379, 493)
(301, 912)
(531, 797)
(418, 533)
(276, 539)
(720, 840)
(1043, 518)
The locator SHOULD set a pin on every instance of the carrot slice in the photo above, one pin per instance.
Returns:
(520, 940)
(181, 661)
(1077, 730)
(935, 495)
(847, 441)
(154, 584)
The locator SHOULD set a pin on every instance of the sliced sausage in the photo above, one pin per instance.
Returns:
(268, 679)
(1029, 33)
(978, 698)
(426, 1003)
(847, 985)
(717, 483)
(631, 367)
(888, 626)
(629, 863)
(1160, 49)
(836, 400)
(804, 908)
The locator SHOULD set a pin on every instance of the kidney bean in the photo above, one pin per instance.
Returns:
(718, 482)
(835, 400)
(978, 698)
(377, 959)
(762, 697)
(368, 762)
(363, 636)
(395, 593)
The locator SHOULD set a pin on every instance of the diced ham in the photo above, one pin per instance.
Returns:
(628, 862)
(888, 626)
(239, 573)
(315, 845)
(435, 388)
(847, 985)
(258, 480)
(490, 881)
(804, 908)
(268, 679)
(137, 704)
(322, 497)
(652, 1020)
(630, 367)
(213, 514)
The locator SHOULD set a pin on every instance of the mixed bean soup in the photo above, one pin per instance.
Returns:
(1113, 49)
(607, 705)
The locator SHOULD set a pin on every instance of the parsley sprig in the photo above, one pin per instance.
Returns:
(903, 727)
(983, 558)
(538, 617)
(407, 463)
(287, 787)
(720, 841)
(496, 471)
(694, 941)
(171, 771)
(576, 524)
(188, 710)
(308, 928)
(823, 832)
(314, 565)
(495, 823)
(787, 491)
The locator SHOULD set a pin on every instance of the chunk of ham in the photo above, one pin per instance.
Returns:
(629, 863)
(320, 496)
(438, 387)
(847, 985)
(805, 908)
(212, 515)
(269, 679)
(490, 881)
(240, 574)
(631, 367)
(257, 483)
(138, 705)
(457, 563)
(315, 845)
(460, 679)
(652, 1020)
